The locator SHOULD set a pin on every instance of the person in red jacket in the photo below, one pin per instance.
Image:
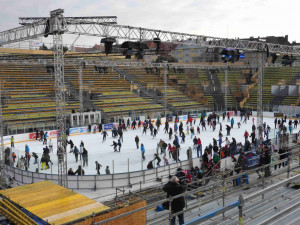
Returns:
(246, 135)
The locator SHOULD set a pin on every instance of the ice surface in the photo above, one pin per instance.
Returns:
(104, 154)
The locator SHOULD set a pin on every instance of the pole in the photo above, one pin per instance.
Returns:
(57, 24)
(80, 91)
(2, 156)
(241, 209)
(263, 181)
(165, 87)
(299, 152)
(113, 172)
(226, 88)
(223, 195)
(289, 166)
(170, 211)
(128, 173)
(259, 120)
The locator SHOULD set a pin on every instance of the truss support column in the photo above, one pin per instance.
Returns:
(259, 120)
(2, 154)
(226, 89)
(60, 96)
(80, 91)
(165, 87)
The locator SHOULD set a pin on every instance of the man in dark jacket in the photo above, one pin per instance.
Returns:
(137, 140)
(173, 188)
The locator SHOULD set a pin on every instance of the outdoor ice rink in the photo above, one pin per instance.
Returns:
(118, 161)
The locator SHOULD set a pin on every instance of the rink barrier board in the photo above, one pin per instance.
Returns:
(105, 181)
(99, 181)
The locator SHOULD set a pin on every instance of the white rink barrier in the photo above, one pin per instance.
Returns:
(113, 180)
(102, 181)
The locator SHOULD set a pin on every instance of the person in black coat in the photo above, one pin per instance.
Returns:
(137, 140)
(228, 128)
(98, 166)
(71, 145)
(36, 134)
(79, 171)
(173, 188)
(71, 172)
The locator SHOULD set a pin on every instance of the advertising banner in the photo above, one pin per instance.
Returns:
(108, 126)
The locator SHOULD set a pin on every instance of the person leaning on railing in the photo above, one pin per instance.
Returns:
(173, 188)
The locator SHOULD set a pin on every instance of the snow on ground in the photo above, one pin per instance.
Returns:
(104, 154)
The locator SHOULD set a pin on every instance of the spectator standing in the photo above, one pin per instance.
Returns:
(173, 188)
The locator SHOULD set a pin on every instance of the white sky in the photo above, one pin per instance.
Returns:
(219, 18)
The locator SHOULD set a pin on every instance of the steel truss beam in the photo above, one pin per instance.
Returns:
(102, 27)
(71, 20)
(35, 27)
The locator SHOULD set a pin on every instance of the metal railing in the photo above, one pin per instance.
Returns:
(219, 182)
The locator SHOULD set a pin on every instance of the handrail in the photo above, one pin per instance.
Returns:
(241, 202)
(177, 196)
(213, 213)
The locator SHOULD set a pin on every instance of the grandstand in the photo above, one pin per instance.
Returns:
(29, 95)
(234, 178)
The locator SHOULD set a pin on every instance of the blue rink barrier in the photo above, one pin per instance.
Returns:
(212, 214)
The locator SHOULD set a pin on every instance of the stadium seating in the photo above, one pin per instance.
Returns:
(28, 94)
(155, 81)
(109, 91)
(273, 76)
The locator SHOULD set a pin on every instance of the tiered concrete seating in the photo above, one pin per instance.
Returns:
(110, 92)
(155, 81)
(28, 94)
(274, 76)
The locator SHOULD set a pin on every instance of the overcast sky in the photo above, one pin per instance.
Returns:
(219, 18)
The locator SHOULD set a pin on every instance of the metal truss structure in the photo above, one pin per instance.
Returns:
(71, 20)
(35, 27)
(57, 25)
(107, 27)
(2, 153)
(260, 118)
(226, 89)
(80, 66)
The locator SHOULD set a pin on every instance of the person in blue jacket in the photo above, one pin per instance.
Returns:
(27, 149)
(232, 122)
(143, 151)
(45, 138)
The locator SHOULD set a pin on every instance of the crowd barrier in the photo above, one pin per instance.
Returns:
(102, 181)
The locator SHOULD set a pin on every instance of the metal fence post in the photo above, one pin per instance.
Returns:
(299, 155)
(113, 173)
(170, 211)
(128, 173)
(241, 209)
(223, 194)
(263, 180)
(289, 166)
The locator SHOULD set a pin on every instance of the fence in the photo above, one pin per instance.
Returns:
(219, 181)
(117, 179)
(241, 202)
(99, 181)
